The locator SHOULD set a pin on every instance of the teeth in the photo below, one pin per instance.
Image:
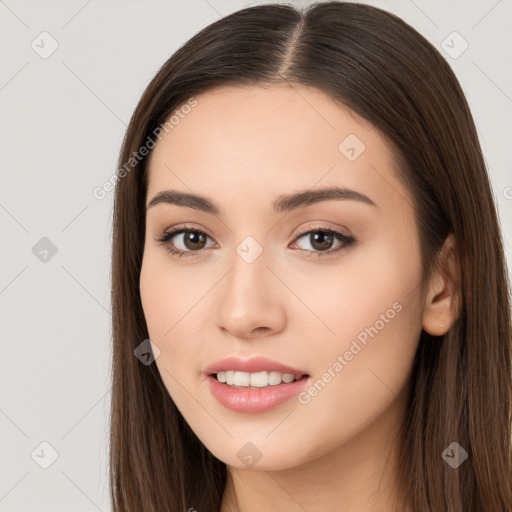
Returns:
(275, 378)
(288, 377)
(257, 380)
(241, 379)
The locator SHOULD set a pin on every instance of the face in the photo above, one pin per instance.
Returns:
(327, 286)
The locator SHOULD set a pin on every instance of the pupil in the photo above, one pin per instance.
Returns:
(322, 236)
(194, 238)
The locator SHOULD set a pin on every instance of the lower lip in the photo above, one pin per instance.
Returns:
(254, 400)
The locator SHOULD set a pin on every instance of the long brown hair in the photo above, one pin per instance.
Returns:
(461, 384)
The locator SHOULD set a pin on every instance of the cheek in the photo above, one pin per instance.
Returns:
(360, 376)
(165, 293)
(364, 367)
(373, 293)
(170, 301)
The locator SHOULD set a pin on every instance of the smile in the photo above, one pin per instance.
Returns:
(255, 380)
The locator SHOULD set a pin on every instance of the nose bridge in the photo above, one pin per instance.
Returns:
(247, 298)
(248, 276)
(250, 250)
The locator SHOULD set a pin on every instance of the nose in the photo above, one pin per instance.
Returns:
(250, 300)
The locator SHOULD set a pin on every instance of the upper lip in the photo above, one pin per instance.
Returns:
(253, 365)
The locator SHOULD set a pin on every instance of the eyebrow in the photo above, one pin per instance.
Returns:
(282, 204)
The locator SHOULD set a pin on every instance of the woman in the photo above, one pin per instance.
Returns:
(304, 228)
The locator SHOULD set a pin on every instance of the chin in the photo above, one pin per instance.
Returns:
(258, 455)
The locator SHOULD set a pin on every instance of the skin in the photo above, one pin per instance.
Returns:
(243, 148)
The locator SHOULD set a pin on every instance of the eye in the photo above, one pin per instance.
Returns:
(322, 239)
(192, 240)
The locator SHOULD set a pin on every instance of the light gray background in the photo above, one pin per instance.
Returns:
(62, 123)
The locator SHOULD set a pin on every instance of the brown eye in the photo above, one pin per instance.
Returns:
(184, 241)
(321, 241)
(194, 240)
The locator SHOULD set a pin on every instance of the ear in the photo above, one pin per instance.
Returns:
(441, 306)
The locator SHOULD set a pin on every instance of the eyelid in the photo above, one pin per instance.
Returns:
(321, 227)
(174, 230)
(178, 229)
(346, 239)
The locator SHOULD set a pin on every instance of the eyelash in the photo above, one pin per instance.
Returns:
(164, 240)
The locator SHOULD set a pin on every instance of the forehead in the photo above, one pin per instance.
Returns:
(241, 141)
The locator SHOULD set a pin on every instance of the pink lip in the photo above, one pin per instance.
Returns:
(253, 400)
(253, 365)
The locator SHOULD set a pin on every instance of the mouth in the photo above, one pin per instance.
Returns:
(257, 380)
(254, 385)
(272, 389)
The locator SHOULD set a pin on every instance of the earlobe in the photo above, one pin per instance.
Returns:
(441, 300)
(437, 318)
